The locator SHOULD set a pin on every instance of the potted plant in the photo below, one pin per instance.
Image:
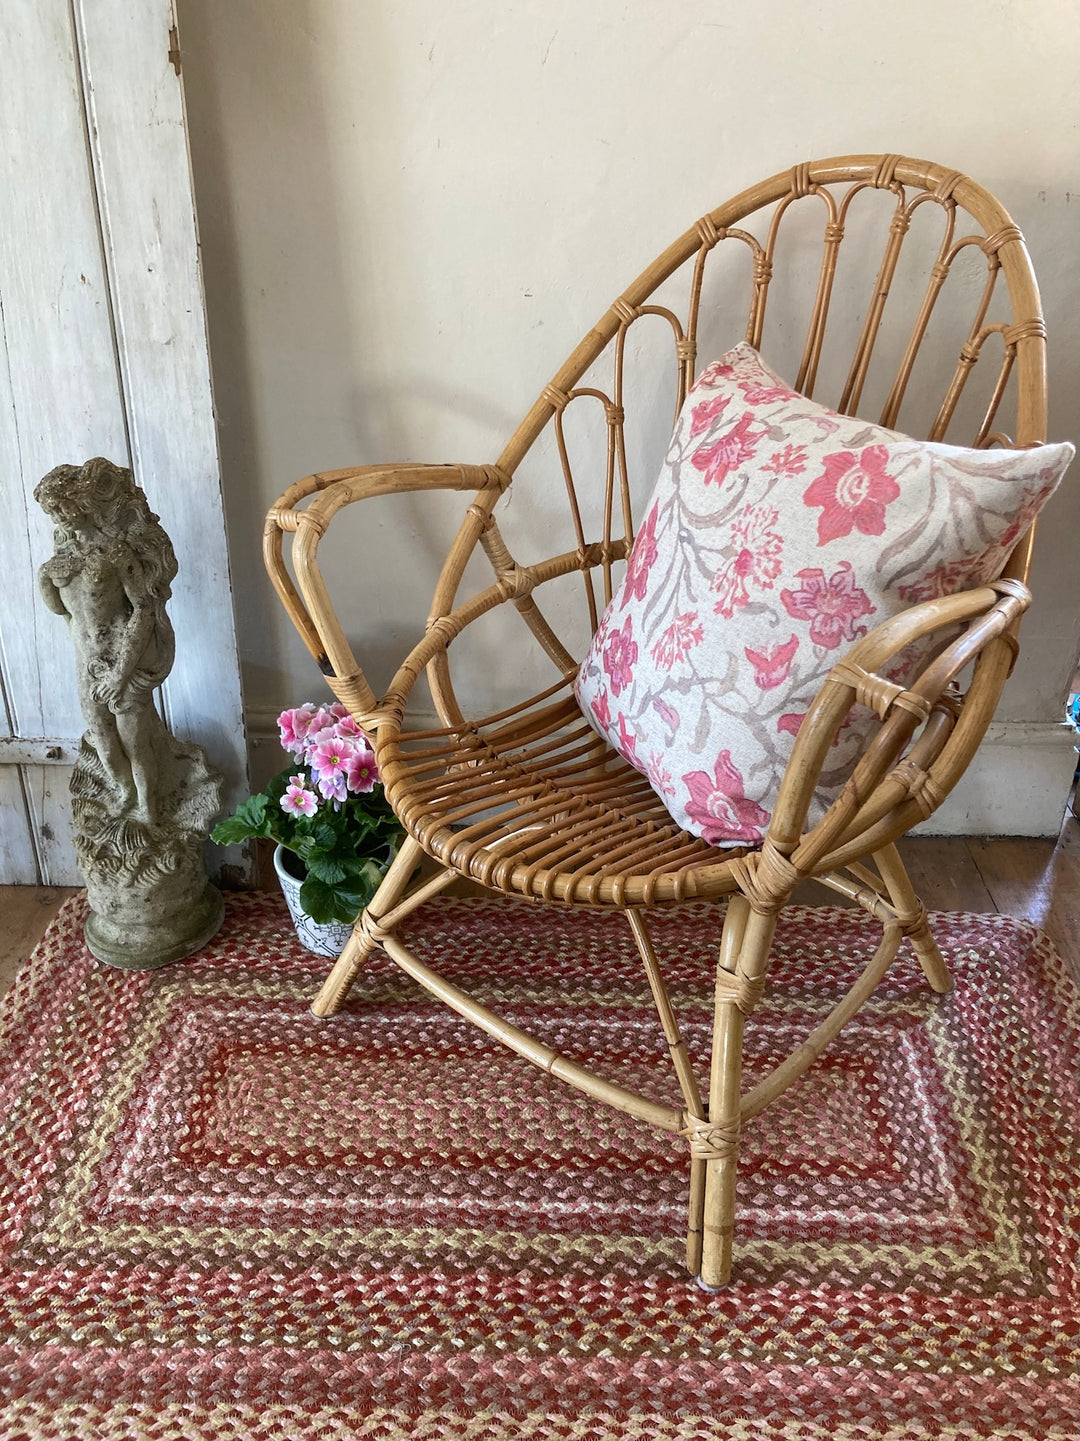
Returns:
(335, 832)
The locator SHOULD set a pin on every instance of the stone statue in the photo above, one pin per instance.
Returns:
(142, 801)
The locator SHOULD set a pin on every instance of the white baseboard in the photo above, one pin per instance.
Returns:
(1016, 785)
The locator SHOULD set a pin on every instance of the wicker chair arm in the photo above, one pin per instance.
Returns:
(308, 602)
(886, 794)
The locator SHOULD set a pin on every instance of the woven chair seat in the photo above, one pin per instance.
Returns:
(533, 802)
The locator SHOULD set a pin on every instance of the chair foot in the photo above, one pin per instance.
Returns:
(710, 1290)
(911, 909)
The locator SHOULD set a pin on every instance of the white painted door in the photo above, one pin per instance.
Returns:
(102, 352)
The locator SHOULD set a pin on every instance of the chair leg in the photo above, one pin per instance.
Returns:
(912, 915)
(362, 942)
(744, 951)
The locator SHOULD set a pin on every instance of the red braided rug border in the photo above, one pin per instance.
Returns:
(221, 1218)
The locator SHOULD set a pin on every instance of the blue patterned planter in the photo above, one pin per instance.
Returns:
(325, 939)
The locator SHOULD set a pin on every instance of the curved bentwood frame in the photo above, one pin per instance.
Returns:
(532, 803)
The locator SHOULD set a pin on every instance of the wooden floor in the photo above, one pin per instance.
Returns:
(1036, 880)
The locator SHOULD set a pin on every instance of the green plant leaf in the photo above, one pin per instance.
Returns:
(247, 821)
(326, 868)
(324, 903)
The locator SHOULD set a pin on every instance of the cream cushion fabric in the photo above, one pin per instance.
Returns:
(779, 531)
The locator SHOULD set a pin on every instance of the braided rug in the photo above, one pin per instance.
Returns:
(221, 1218)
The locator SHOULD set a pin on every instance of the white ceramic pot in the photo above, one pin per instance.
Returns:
(324, 938)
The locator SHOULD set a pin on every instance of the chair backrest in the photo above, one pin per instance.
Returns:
(903, 300)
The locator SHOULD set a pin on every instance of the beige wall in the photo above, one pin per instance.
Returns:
(411, 211)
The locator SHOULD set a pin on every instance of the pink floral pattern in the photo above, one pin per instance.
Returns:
(678, 640)
(620, 654)
(853, 492)
(755, 561)
(831, 606)
(707, 414)
(720, 807)
(641, 560)
(731, 450)
(771, 667)
(745, 584)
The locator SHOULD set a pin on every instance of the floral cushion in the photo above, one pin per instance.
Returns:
(779, 532)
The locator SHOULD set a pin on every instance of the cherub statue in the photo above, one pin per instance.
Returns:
(142, 801)
(110, 579)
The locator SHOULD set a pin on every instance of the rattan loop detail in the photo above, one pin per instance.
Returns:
(947, 184)
(912, 920)
(555, 397)
(350, 691)
(711, 1142)
(885, 175)
(762, 269)
(800, 180)
(373, 930)
(614, 414)
(733, 988)
(1006, 586)
(993, 243)
(920, 786)
(685, 350)
(878, 694)
(497, 478)
(709, 233)
(626, 312)
(1025, 330)
(834, 233)
(766, 877)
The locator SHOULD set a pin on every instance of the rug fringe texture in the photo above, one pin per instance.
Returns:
(224, 1220)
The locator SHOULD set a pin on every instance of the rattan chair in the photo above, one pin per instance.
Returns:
(530, 802)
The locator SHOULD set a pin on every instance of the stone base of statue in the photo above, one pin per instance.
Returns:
(150, 900)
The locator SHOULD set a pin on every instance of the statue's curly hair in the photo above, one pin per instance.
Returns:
(118, 509)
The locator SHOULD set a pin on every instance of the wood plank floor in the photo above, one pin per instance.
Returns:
(1036, 880)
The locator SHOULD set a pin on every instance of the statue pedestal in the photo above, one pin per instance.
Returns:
(150, 900)
(139, 937)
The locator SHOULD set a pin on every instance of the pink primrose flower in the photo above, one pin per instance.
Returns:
(332, 786)
(853, 492)
(831, 606)
(330, 754)
(756, 560)
(601, 709)
(641, 560)
(719, 806)
(346, 726)
(361, 772)
(298, 800)
(728, 453)
(293, 726)
(678, 640)
(771, 667)
(620, 657)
